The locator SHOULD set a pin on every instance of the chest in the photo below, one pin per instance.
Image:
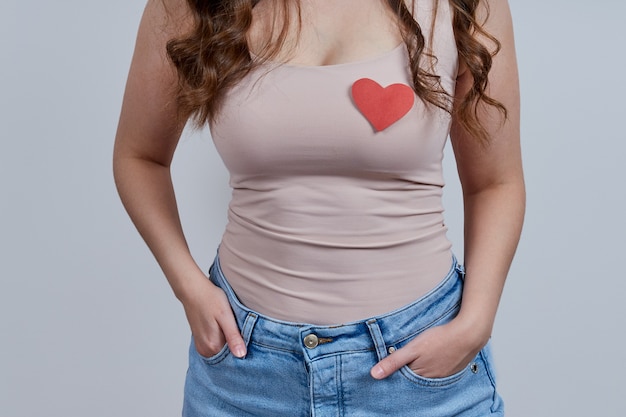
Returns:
(324, 32)
(300, 120)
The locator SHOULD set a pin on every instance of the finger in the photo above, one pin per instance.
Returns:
(233, 337)
(392, 363)
(209, 346)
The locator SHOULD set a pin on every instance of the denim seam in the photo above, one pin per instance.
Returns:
(271, 347)
(443, 316)
(217, 358)
(491, 379)
(340, 408)
(413, 377)
(339, 353)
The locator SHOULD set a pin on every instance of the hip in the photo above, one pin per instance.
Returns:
(300, 369)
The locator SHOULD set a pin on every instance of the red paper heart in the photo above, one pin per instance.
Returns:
(382, 107)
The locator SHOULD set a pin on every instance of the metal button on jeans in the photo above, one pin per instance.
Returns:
(474, 368)
(311, 341)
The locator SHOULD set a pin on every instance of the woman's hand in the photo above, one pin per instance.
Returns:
(438, 352)
(211, 320)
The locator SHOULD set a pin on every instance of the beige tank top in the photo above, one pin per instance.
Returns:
(336, 172)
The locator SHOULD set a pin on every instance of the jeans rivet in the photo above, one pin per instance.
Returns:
(474, 368)
(391, 350)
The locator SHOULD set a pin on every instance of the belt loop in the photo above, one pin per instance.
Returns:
(248, 325)
(461, 270)
(377, 337)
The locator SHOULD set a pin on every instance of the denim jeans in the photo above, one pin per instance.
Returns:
(303, 370)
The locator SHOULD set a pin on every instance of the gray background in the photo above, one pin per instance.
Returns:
(88, 325)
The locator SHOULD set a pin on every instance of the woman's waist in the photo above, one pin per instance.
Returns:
(324, 285)
(443, 299)
(349, 230)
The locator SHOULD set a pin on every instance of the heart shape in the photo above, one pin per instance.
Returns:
(382, 106)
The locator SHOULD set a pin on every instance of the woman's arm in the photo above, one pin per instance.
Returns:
(147, 135)
(493, 184)
(494, 200)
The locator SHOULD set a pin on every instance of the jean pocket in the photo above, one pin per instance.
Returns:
(412, 376)
(213, 359)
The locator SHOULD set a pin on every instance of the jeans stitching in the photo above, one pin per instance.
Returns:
(433, 323)
(413, 377)
(217, 358)
(492, 379)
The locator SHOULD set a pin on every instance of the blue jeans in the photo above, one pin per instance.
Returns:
(303, 370)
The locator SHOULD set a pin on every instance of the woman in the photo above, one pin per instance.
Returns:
(335, 291)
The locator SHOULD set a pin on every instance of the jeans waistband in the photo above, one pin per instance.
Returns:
(374, 333)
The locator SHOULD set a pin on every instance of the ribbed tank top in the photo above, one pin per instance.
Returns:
(332, 220)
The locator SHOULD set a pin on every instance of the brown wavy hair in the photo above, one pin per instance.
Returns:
(214, 56)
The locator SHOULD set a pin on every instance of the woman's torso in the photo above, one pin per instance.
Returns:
(330, 220)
